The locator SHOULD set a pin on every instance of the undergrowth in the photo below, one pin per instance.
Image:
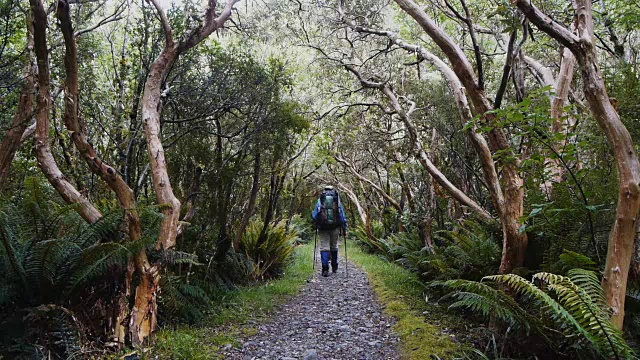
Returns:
(234, 315)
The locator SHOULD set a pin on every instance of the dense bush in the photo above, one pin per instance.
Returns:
(60, 272)
(270, 256)
(302, 227)
(63, 276)
(468, 251)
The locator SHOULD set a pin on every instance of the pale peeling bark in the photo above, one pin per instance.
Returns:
(425, 161)
(13, 138)
(143, 316)
(514, 242)
(621, 239)
(378, 189)
(354, 199)
(143, 321)
(44, 156)
(560, 86)
(108, 174)
(28, 132)
(152, 108)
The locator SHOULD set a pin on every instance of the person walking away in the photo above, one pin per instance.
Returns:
(330, 222)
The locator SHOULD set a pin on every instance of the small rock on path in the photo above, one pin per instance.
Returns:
(332, 318)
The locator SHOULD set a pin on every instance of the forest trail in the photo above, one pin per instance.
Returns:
(336, 318)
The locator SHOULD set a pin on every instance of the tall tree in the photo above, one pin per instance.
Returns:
(581, 42)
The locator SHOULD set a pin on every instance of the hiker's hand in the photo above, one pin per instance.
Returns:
(344, 233)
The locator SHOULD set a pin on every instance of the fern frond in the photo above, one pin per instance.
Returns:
(95, 261)
(541, 299)
(175, 257)
(493, 302)
(607, 340)
(589, 282)
(573, 260)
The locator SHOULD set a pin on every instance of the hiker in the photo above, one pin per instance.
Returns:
(330, 222)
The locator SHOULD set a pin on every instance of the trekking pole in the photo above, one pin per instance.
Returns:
(346, 262)
(315, 242)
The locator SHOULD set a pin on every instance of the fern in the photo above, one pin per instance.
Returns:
(606, 339)
(50, 257)
(182, 300)
(572, 309)
(573, 260)
(491, 303)
(175, 257)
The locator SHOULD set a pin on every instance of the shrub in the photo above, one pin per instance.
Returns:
(269, 257)
(54, 265)
(377, 245)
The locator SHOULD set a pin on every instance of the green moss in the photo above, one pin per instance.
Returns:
(401, 293)
(233, 318)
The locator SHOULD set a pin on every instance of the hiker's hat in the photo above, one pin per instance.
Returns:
(328, 187)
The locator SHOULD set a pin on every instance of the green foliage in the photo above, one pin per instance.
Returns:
(181, 301)
(49, 256)
(270, 256)
(373, 245)
(468, 251)
(573, 306)
(60, 272)
(302, 228)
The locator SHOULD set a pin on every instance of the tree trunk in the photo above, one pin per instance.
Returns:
(621, 239)
(152, 108)
(378, 189)
(13, 137)
(514, 242)
(143, 321)
(354, 199)
(253, 196)
(44, 156)
(560, 86)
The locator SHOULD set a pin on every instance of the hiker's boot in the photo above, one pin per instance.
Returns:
(334, 261)
(324, 257)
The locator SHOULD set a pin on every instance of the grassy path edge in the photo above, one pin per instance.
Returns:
(399, 291)
(241, 310)
(236, 316)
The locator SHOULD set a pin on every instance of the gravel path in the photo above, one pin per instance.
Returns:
(332, 318)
